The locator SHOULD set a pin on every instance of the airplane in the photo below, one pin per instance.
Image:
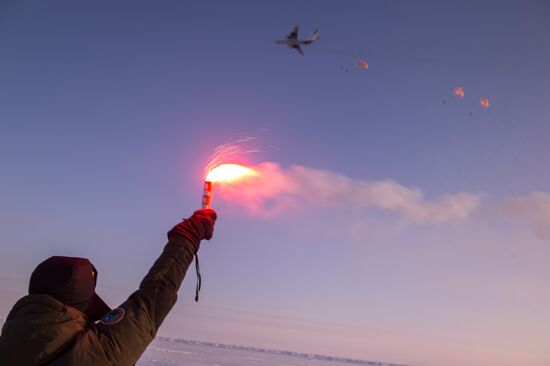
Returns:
(293, 41)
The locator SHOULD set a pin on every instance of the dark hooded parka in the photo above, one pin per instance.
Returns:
(41, 329)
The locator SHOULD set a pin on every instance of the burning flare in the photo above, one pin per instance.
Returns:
(227, 173)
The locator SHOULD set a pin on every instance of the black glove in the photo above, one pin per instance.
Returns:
(198, 227)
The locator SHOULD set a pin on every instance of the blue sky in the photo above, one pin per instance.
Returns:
(109, 112)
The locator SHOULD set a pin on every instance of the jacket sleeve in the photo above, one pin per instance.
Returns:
(124, 340)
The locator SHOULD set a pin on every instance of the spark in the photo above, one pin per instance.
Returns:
(222, 154)
(246, 139)
(232, 152)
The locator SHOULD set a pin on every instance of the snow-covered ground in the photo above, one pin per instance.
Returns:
(176, 352)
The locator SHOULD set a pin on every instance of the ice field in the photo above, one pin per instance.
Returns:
(176, 352)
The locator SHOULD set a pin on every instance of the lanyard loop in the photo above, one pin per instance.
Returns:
(199, 279)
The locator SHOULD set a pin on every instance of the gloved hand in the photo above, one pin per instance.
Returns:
(197, 227)
(205, 218)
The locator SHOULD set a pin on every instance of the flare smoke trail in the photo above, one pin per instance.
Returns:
(275, 190)
(534, 209)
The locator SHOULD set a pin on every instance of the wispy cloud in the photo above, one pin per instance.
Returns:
(276, 190)
(534, 208)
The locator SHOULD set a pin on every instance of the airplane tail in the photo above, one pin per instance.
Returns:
(314, 36)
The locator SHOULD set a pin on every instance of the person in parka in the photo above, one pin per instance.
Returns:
(62, 321)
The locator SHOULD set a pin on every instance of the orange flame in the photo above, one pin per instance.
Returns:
(229, 173)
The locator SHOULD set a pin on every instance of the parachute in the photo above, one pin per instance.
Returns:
(459, 92)
(362, 64)
(484, 102)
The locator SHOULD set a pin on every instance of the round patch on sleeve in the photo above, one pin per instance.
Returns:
(113, 316)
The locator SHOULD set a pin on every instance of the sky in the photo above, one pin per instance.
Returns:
(394, 221)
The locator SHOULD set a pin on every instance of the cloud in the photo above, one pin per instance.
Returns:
(276, 190)
(534, 208)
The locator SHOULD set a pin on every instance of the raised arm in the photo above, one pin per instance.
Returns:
(127, 330)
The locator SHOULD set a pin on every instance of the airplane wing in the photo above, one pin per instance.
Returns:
(293, 34)
(299, 49)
